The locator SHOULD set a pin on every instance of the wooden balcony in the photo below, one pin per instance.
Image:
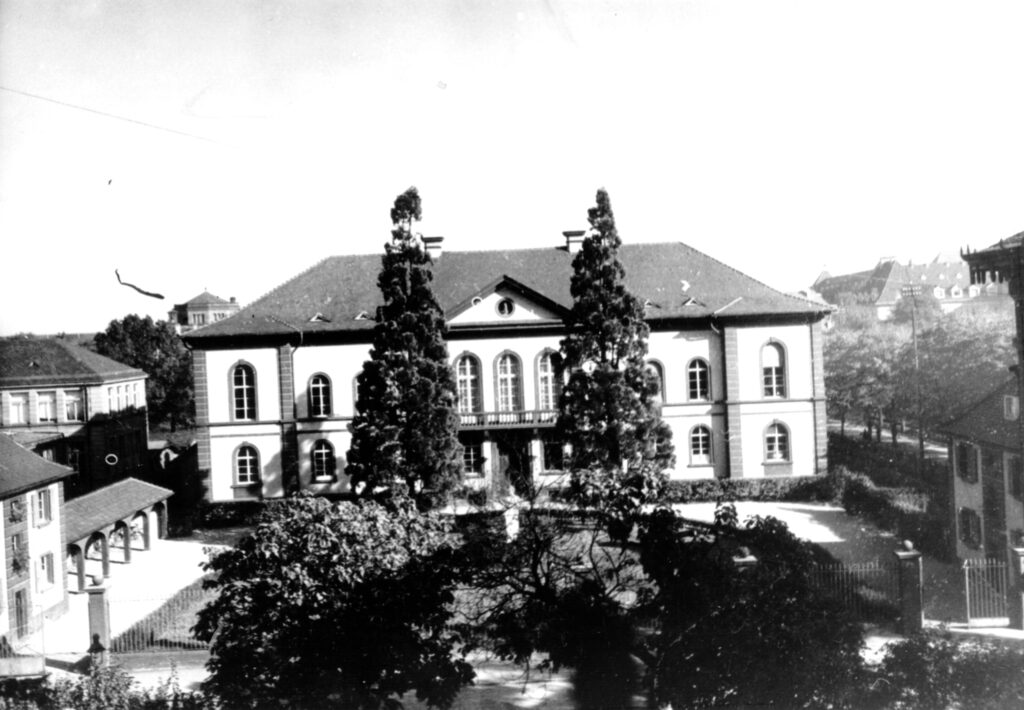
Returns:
(508, 420)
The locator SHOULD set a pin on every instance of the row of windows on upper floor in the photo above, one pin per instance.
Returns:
(323, 462)
(52, 406)
(508, 381)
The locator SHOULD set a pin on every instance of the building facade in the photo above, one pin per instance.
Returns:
(740, 365)
(199, 311)
(74, 407)
(947, 280)
(987, 479)
(32, 526)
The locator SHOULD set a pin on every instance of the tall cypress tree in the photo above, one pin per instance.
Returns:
(609, 411)
(405, 428)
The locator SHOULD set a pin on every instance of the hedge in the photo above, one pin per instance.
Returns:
(803, 488)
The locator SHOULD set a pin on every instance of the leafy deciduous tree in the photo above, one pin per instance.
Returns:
(405, 428)
(156, 349)
(341, 605)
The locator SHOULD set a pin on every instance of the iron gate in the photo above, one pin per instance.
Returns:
(985, 582)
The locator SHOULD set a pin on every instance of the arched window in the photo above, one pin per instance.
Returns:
(247, 465)
(776, 442)
(243, 390)
(698, 379)
(319, 396)
(700, 446)
(324, 466)
(467, 380)
(549, 380)
(510, 383)
(773, 368)
(655, 368)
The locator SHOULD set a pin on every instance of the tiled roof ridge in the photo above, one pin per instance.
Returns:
(733, 269)
(299, 275)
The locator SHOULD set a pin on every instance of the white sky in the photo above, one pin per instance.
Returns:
(231, 144)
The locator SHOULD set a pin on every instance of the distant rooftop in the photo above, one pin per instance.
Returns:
(21, 470)
(31, 361)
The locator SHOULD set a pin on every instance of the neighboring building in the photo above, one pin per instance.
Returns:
(945, 279)
(740, 363)
(201, 310)
(74, 407)
(33, 529)
(987, 477)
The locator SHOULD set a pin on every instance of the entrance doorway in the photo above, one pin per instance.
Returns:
(514, 463)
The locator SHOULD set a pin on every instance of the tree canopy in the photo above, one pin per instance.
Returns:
(609, 411)
(405, 428)
(334, 605)
(156, 349)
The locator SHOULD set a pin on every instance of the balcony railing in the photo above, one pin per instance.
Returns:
(523, 418)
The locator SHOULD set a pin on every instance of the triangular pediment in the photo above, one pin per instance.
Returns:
(503, 301)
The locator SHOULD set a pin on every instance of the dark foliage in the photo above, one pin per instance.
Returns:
(405, 428)
(334, 605)
(608, 410)
(156, 349)
(761, 635)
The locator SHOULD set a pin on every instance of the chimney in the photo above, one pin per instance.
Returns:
(433, 246)
(232, 299)
(574, 240)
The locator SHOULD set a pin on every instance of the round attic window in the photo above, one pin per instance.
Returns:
(506, 307)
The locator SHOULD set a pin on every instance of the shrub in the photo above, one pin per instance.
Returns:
(804, 488)
(935, 671)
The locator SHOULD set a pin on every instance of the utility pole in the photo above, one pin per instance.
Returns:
(913, 292)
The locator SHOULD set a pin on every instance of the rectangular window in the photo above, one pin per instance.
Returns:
(46, 406)
(111, 402)
(75, 459)
(44, 508)
(966, 462)
(46, 573)
(1016, 476)
(73, 409)
(19, 409)
(970, 527)
(121, 399)
(554, 455)
(472, 458)
(1011, 408)
(198, 319)
(136, 392)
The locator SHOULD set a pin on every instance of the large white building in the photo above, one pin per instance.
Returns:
(741, 368)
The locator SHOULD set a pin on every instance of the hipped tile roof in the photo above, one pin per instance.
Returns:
(34, 362)
(678, 280)
(21, 470)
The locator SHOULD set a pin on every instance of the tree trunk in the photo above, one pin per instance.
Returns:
(842, 424)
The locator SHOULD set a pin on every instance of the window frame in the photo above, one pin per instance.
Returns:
(74, 406)
(969, 528)
(549, 380)
(473, 458)
(658, 369)
(42, 508)
(253, 461)
(46, 576)
(970, 472)
(698, 380)
(547, 443)
(1015, 475)
(470, 383)
(774, 378)
(772, 441)
(49, 397)
(19, 404)
(320, 396)
(508, 383)
(235, 388)
(329, 465)
(706, 458)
